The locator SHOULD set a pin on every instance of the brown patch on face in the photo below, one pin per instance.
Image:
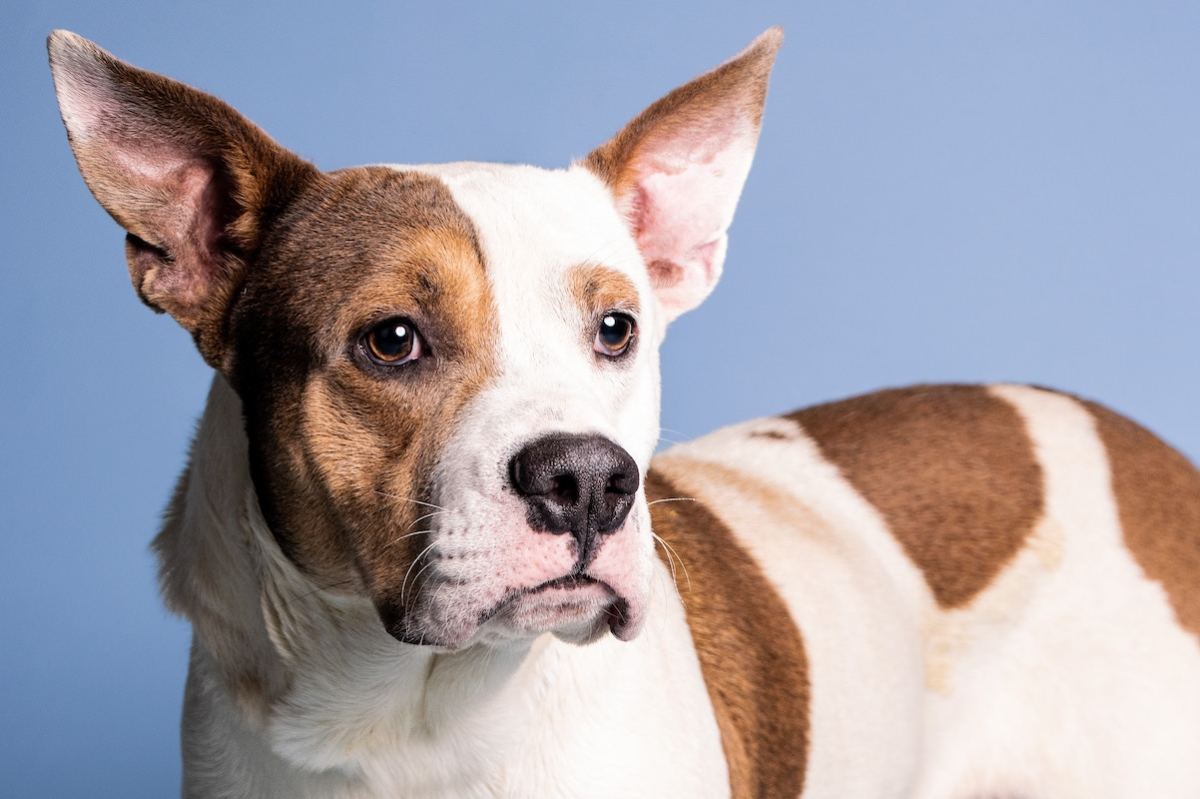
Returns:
(343, 452)
(750, 652)
(950, 468)
(1158, 498)
(597, 289)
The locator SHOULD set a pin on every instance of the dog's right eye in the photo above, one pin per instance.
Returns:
(393, 342)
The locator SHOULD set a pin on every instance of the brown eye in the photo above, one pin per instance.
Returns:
(616, 333)
(393, 342)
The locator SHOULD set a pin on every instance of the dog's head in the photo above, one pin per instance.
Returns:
(449, 374)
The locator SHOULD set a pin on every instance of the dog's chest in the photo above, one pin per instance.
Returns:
(560, 720)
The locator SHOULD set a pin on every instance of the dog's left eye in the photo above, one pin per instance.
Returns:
(616, 333)
(393, 342)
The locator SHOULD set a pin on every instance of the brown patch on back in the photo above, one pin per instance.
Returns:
(750, 652)
(951, 469)
(1158, 498)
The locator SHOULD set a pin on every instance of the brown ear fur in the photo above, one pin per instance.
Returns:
(192, 181)
(677, 170)
(737, 86)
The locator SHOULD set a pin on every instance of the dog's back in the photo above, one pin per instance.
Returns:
(995, 592)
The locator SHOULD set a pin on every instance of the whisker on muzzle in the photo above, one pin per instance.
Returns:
(416, 560)
(410, 499)
(410, 535)
(429, 515)
(417, 579)
(672, 554)
(672, 499)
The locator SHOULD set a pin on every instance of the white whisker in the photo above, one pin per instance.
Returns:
(671, 550)
(416, 590)
(416, 560)
(670, 558)
(409, 499)
(429, 515)
(410, 535)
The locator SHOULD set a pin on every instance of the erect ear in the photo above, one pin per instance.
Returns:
(191, 180)
(677, 169)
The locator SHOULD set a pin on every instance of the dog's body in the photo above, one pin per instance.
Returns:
(414, 539)
(1042, 657)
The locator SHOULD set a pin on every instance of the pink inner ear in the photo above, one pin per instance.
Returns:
(182, 215)
(196, 218)
(686, 188)
(154, 178)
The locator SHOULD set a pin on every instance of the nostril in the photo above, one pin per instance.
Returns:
(565, 488)
(622, 483)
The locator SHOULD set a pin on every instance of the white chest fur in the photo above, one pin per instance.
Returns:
(354, 713)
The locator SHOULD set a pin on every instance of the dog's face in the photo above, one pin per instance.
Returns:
(449, 373)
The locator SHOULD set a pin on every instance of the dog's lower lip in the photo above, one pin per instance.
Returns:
(569, 581)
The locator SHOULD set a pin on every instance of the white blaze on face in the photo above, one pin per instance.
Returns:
(536, 227)
(653, 205)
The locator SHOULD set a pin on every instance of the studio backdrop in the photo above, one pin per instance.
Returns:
(943, 191)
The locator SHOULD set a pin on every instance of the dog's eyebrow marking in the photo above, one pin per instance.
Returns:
(597, 288)
(430, 272)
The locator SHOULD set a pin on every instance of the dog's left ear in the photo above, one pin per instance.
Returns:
(676, 172)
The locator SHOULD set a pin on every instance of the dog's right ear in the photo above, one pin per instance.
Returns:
(676, 171)
(191, 180)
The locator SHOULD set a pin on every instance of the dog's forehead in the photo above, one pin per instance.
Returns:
(533, 223)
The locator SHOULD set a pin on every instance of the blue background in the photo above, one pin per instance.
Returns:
(944, 191)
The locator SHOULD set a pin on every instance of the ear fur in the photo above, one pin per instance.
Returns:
(676, 172)
(191, 181)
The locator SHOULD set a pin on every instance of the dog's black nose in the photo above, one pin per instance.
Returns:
(578, 484)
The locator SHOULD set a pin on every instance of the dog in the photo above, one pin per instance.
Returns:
(426, 551)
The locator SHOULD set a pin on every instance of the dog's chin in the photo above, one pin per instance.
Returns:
(577, 610)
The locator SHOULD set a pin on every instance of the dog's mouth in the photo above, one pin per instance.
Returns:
(567, 582)
(576, 607)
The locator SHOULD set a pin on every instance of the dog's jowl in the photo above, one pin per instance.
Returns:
(425, 549)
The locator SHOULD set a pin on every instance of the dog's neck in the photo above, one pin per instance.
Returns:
(305, 691)
(312, 672)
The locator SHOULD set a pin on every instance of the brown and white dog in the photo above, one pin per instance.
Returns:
(415, 536)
